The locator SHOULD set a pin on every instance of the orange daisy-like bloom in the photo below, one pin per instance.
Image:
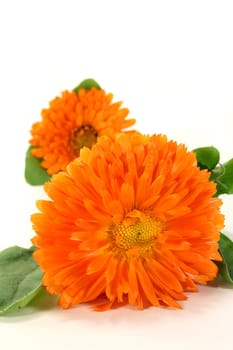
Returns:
(72, 121)
(131, 221)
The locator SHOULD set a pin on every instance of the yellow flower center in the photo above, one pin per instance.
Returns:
(136, 235)
(86, 136)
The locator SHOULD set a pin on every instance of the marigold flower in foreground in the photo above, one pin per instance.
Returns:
(72, 121)
(130, 221)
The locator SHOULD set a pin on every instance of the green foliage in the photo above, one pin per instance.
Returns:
(207, 157)
(223, 176)
(87, 84)
(34, 173)
(20, 278)
(226, 266)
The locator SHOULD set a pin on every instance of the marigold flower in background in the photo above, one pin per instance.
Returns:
(74, 120)
(131, 221)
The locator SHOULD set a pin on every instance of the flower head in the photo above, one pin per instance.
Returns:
(73, 121)
(132, 221)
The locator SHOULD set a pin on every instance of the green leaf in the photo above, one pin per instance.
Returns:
(20, 278)
(226, 266)
(223, 176)
(207, 157)
(34, 173)
(87, 84)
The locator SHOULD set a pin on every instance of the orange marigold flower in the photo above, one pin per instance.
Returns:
(132, 221)
(72, 121)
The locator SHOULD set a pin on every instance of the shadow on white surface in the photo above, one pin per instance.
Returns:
(198, 324)
(197, 303)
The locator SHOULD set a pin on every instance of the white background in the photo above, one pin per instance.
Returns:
(171, 62)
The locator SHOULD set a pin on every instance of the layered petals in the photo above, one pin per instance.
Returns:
(72, 121)
(133, 220)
